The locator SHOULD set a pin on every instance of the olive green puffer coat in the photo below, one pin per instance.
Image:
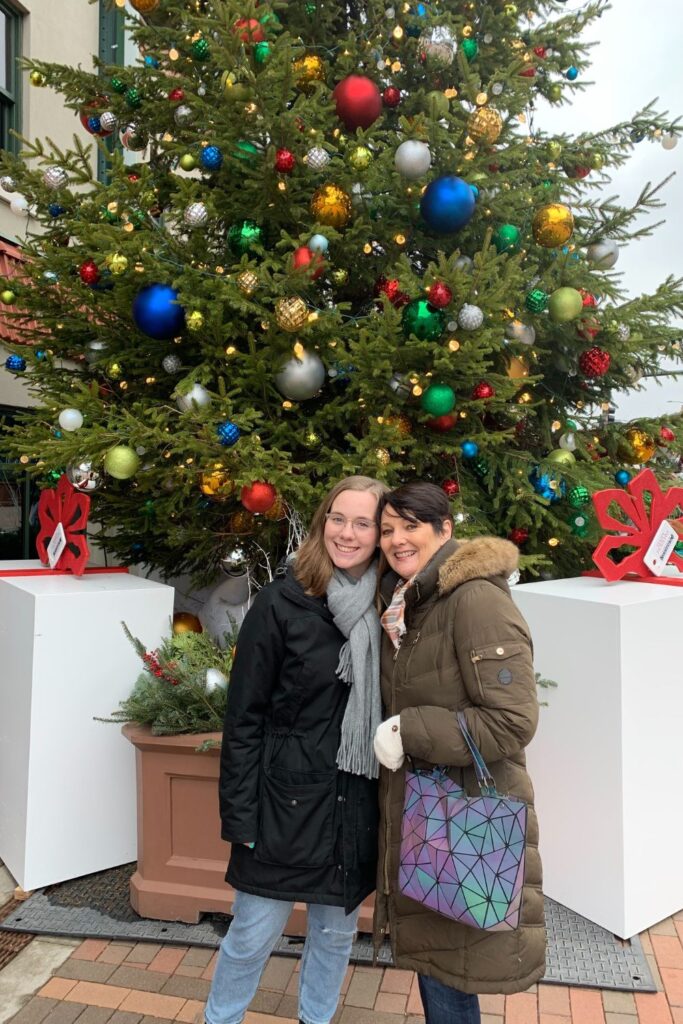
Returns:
(466, 647)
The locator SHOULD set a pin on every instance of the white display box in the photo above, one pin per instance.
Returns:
(67, 782)
(607, 760)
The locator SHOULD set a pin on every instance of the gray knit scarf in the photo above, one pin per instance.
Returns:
(352, 603)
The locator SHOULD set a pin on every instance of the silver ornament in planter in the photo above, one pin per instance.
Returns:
(196, 214)
(55, 178)
(317, 158)
(171, 363)
(83, 477)
(470, 317)
(301, 377)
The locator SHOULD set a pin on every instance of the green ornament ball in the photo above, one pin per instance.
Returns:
(117, 84)
(423, 320)
(555, 92)
(438, 400)
(243, 236)
(560, 457)
(579, 523)
(479, 466)
(200, 49)
(246, 151)
(579, 496)
(188, 162)
(133, 97)
(537, 300)
(507, 238)
(261, 52)
(121, 462)
(565, 304)
(470, 48)
(53, 476)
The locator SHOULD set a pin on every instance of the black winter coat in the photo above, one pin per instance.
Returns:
(314, 826)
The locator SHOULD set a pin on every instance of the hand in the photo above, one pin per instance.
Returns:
(388, 745)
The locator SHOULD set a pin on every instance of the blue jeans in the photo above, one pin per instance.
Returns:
(445, 1005)
(256, 926)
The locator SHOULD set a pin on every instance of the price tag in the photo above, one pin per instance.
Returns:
(56, 546)
(659, 551)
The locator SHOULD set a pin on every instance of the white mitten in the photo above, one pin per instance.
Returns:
(388, 745)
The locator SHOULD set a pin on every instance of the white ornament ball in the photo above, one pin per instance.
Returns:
(470, 317)
(669, 141)
(604, 254)
(568, 441)
(171, 363)
(71, 419)
(108, 121)
(195, 215)
(413, 159)
(525, 334)
(464, 264)
(318, 243)
(19, 206)
(198, 396)
(301, 377)
(55, 178)
(317, 158)
(7, 183)
(215, 680)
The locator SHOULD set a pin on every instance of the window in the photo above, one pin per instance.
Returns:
(10, 75)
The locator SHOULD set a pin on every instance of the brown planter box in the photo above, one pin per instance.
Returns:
(181, 856)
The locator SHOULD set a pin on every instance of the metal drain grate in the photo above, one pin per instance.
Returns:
(12, 942)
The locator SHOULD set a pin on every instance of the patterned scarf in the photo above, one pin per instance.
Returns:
(393, 619)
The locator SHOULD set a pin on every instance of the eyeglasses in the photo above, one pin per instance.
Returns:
(359, 526)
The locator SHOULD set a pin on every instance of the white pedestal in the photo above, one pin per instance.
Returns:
(607, 761)
(67, 782)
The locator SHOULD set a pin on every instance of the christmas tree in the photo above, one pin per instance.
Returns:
(331, 242)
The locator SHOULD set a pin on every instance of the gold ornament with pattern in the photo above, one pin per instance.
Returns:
(247, 282)
(340, 276)
(216, 484)
(331, 206)
(553, 225)
(360, 157)
(484, 124)
(117, 263)
(641, 446)
(400, 423)
(308, 70)
(195, 320)
(291, 313)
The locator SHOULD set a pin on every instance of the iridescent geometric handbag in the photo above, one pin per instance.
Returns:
(463, 856)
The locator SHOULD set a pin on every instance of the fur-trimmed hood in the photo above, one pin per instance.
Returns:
(479, 558)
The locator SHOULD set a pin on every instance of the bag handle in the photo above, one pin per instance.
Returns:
(487, 783)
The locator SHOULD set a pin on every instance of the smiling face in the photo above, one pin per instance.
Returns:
(352, 545)
(408, 544)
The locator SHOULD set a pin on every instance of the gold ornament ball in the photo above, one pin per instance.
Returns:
(400, 423)
(186, 622)
(517, 368)
(484, 124)
(331, 206)
(311, 439)
(360, 158)
(114, 370)
(241, 522)
(340, 276)
(553, 225)
(38, 79)
(291, 313)
(277, 511)
(144, 6)
(641, 446)
(195, 320)
(247, 282)
(382, 456)
(308, 70)
(216, 484)
(117, 263)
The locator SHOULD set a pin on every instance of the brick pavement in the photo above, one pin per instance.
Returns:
(126, 983)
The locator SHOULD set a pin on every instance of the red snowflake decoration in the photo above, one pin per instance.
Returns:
(643, 519)
(62, 504)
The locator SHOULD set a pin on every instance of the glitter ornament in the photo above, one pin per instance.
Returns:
(413, 159)
(392, 289)
(360, 158)
(423, 320)
(340, 276)
(200, 50)
(553, 225)
(358, 101)
(211, 158)
(579, 496)
(83, 477)
(7, 183)
(197, 396)
(438, 400)
(391, 97)
(243, 236)
(195, 320)
(308, 70)
(506, 238)
(439, 294)
(331, 205)
(640, 446)
(484, 125)
(623, 332)
(594, 363)
(483, 391)
(522, 333)
(451, 488)
(133, 98)
(317, 158)
(55, 178)
(70, 419)
(121, 462)
(470, 317)
(228, 433)
(171, 363)
(536, 300)
(291, 313)
(258, 496)
(437, 47)
(301, 377)
(157, 313)
(447, 204)
(16, 364)
(604, 254)
(196, 215)
(89, 273)
(565, 304)
(518, 535)
(285, 161)
(247, 282)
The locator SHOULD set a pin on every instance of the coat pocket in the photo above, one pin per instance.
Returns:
(296, 821)
(500, 668)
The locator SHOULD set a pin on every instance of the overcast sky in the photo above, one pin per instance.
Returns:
(639, 57)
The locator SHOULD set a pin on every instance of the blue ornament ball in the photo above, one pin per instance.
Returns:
(475, 192)
(17, 364)
(447, 204)
(55, 210)
(41, 354)
(211, 158)
(94, 125)
(547, 486)
(228, 433)
(151, 62)
(622, 477)
(572, 73)
(156, 312)
(469, 449)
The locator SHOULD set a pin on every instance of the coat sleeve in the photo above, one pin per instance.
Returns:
(495, 656)
(255, 670)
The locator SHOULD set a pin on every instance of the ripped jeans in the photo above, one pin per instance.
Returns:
(257, 925)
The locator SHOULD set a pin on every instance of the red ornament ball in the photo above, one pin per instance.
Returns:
(89, 110)
(442, 424)
(285, 161)
(595, 362)
(519, 535)
(528, 73)
(391, 97)
(667, 435)
(576, 170)
(305, 257)
(133, 176)
(390, 287)
(439, 294)
(250, 30)
(588, 328)
(450, 488)
(483, 390)
(358, 100)
(541, 52)
(176, 95)
(89, 272)
(258, 497)
(589, 301)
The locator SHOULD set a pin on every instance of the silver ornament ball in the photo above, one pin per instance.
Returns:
(413, 158)
(108, 121)
(470, 317)
(464, 264)
(83, 477)
(398, 386)
(317, 158)
(603, 255)
(623, 332)
(234, 562)
(171, 363)
(196, 214)
(183, 114)
(301, 377)
(7, 183)
(55, 178)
